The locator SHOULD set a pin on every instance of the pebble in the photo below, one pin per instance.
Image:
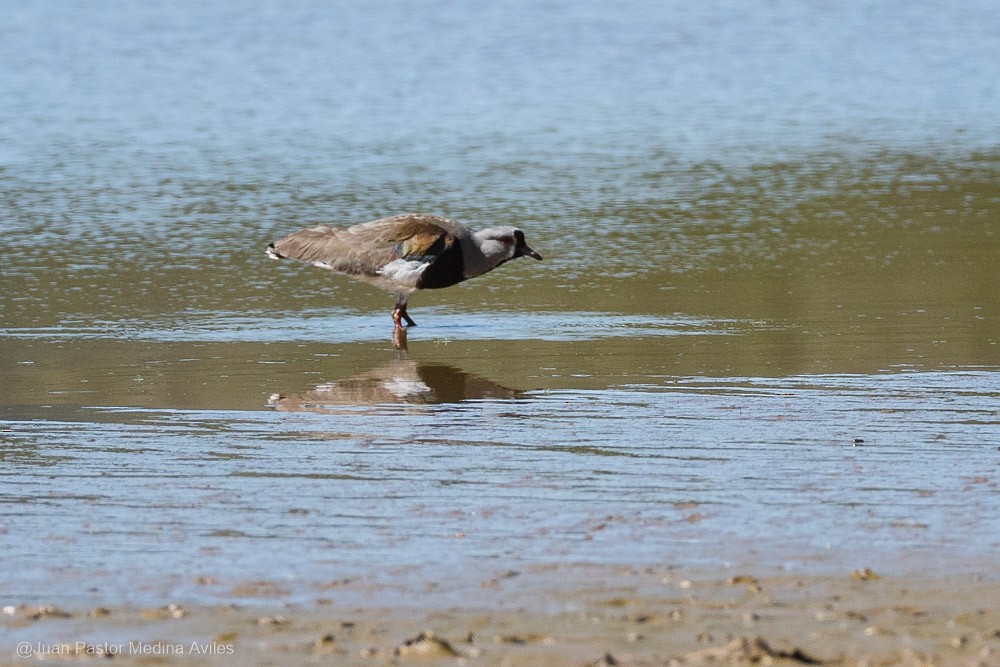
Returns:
(426, 645)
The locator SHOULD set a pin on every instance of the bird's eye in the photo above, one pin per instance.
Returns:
(507, 240)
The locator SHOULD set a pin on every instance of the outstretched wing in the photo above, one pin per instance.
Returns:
(367, 249)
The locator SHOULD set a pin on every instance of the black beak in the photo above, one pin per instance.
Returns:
(525, 251)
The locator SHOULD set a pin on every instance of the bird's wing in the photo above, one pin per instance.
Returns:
(366, 248)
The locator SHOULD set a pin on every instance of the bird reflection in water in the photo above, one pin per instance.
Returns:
(403, 381)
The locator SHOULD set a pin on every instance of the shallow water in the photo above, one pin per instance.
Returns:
(429, 466)
(765, 331)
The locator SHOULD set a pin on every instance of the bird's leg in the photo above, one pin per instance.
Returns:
(409, 322)
(399, 314)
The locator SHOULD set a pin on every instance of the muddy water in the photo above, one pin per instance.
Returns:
(766, 329)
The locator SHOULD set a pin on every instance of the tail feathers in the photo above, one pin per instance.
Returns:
(272, 253)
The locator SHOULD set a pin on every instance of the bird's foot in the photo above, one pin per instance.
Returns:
(399, 316)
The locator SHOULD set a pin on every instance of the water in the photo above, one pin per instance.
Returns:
(765, 331)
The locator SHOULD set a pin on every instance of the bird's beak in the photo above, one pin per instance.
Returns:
(525, 251)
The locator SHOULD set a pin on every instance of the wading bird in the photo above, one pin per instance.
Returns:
(405, 253)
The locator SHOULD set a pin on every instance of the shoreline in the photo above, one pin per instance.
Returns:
(549, 615)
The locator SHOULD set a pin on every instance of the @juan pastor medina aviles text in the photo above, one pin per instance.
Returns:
(107, 649)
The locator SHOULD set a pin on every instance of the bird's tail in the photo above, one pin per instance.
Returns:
(272, 253)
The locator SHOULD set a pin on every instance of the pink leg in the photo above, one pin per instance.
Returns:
(399, 315)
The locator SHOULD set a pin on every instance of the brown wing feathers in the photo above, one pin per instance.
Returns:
(314, 244)
(424, 247)
(364, 249)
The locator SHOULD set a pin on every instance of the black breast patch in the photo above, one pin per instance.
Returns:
(446, 270)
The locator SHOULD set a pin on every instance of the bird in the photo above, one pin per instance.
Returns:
(405, 253)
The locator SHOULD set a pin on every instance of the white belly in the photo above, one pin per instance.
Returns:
(403, 273)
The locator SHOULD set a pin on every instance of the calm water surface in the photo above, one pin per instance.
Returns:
(765, 332)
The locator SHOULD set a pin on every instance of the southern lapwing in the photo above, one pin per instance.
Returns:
(405, 253)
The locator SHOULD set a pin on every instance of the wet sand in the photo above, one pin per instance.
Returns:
(545, 615)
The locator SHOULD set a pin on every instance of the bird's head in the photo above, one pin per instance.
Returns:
(502, 244)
